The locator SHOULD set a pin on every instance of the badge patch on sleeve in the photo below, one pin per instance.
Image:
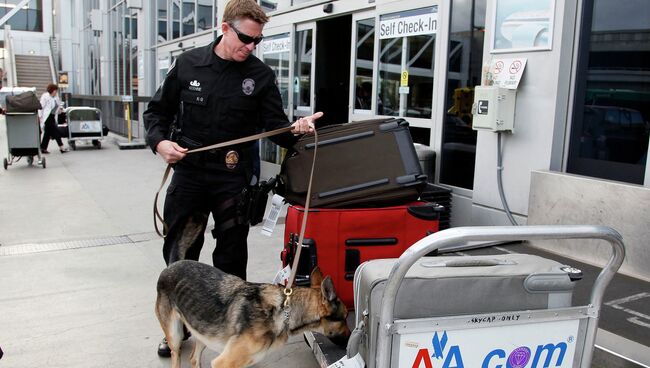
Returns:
(248, 86)
(232, 159)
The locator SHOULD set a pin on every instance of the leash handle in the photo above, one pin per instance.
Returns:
(156, 214)
(244, 139)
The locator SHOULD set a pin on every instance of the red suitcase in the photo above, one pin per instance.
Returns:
(339, 240)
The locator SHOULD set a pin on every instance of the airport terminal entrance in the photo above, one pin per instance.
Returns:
(332, 80)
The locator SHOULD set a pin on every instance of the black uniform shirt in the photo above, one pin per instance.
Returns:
(215, 100)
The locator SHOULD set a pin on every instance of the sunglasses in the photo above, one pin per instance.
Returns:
(246, 39)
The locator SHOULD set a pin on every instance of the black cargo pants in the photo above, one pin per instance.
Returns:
(188, 204)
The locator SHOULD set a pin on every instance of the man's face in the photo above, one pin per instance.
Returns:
(235, 49)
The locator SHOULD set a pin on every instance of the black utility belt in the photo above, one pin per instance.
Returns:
(219, 159)
(229, 158)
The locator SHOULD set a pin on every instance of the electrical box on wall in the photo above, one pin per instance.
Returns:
(493, 108)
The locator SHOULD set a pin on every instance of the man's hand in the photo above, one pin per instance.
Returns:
(170, 151)
(306, 124)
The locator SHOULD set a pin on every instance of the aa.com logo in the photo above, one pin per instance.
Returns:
(540, 356)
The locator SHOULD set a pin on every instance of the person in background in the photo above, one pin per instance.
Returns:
(47, 117)
(214, 94)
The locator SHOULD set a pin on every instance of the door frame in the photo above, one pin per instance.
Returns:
(300, 111)
(352, 112)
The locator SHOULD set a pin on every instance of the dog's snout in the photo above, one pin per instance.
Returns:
(341, 340)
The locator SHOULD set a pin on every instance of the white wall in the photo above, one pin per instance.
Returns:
(537, 117)
(558, 198)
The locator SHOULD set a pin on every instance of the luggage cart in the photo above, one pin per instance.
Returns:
(23, 138)
(84, 123)
(560, 335)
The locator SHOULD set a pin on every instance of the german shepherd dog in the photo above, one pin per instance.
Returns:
(241, 319)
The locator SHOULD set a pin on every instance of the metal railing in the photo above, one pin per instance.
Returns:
(113, 111)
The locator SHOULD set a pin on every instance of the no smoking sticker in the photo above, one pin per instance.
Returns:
(507, 73)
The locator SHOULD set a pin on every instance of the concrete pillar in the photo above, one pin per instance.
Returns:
(146, 56)
(106, 51)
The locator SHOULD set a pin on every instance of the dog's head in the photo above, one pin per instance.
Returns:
(333, 313)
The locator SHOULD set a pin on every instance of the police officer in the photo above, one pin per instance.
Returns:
(214, 94)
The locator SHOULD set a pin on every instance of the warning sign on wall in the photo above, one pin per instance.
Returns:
(506, 73)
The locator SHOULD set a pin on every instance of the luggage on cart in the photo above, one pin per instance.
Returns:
(23, 102)
(478, 311)
(462, 285)
(339, 240)
(365, 163)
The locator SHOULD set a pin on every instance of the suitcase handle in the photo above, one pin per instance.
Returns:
(428, 212)
(469, 263)
(338, 140)
(459, 235)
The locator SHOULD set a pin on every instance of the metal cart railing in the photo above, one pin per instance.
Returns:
(582, 321)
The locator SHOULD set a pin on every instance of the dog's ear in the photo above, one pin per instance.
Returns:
(316, 278)
(327, 289)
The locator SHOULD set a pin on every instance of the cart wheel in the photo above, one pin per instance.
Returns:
(72, 145)
(97, 144)
(43, 162)
(5, 163)
(30, 160)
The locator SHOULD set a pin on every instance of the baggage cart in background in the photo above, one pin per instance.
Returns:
(479, 311)
(23, 138)
(84, 123)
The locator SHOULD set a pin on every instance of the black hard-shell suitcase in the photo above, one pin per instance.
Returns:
(365, 163)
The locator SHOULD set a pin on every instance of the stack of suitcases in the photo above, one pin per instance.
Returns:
(370, 199)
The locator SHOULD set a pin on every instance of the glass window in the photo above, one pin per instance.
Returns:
(28, 18)
(176, 20)
(609, 137)
(302, 70)
(276, 51)
(188, 16)
(162, 21)
(365, 52)
(269, 5)
(458, 149)
(406, 57)
(131, 26)
(204, 15)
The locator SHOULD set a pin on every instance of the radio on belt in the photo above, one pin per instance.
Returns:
(493, 108)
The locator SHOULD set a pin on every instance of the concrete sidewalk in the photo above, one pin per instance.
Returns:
(79, 262)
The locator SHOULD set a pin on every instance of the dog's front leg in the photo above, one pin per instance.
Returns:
(195, 359)
(241, 351)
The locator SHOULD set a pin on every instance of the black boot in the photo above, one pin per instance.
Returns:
(163, 349)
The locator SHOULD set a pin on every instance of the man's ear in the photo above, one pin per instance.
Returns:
(327, 289)
(316, 278)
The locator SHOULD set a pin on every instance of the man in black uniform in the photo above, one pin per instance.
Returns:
(215, 94)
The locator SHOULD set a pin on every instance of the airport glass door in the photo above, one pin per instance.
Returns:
(406, 62)
(275, 51)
